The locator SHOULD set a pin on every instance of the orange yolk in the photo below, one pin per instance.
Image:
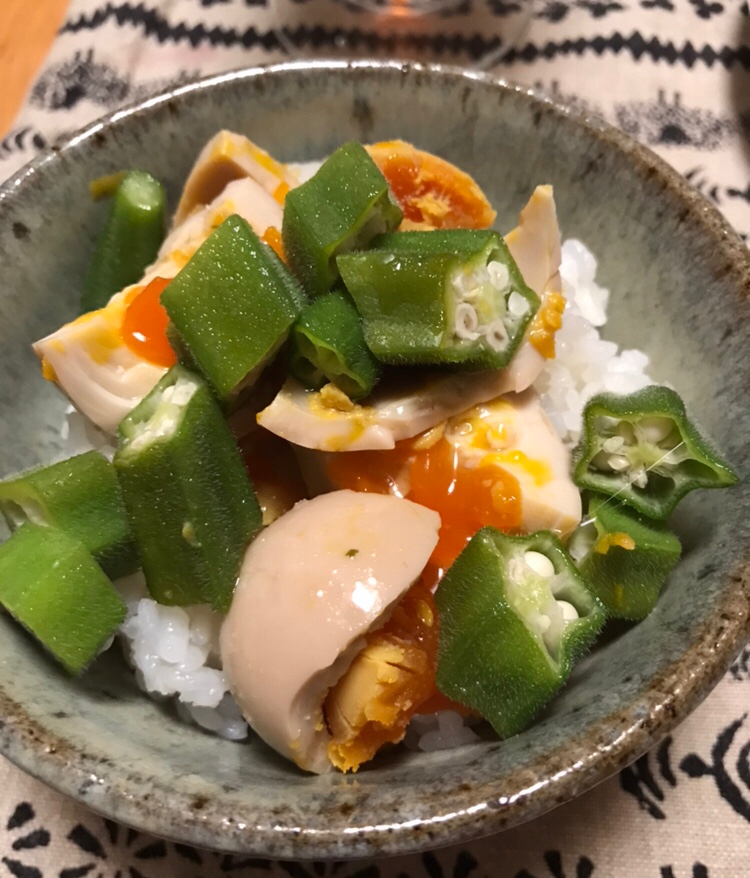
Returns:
(390, 680)
(272, 237)
(432, 193)
(546, 322)
(466, 498)
(144, 325)
(280, 192)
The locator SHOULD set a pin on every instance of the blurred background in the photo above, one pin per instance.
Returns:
(26, 34)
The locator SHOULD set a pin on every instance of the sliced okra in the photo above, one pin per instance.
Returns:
(327, 344)
(231, 307)
(191, 505)
(129, 241)
(624, 556)
(514, 615)
(80, 496)
(341, 208)
(453, 296)
(643, 449)
(51, 584)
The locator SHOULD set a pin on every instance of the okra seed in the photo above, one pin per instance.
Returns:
(569, 612)
(517, 305)
(618, 462)
(539, 563)
(497, 337)
(182, 392)
(614, 443)
(499, 275)
(466, 322)
(640, 478)
(654, 430)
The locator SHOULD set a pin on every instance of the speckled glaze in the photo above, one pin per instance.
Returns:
(680, 280)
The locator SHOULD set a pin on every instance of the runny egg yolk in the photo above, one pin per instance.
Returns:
(272, 237)
(144, 325)
(467, 498)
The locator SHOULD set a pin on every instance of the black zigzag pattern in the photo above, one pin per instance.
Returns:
(639, 47)
(154, 24)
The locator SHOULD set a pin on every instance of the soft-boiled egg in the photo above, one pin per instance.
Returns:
(327, 421)
(499, 463)
(106, 361)
(311, 586)
(245, 197)
(536, 247)
(227, 157)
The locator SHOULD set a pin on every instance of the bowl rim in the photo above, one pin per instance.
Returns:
(668, 698)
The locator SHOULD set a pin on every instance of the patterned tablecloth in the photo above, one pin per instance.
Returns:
(673, 73)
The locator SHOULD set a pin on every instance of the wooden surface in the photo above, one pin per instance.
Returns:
(27, 29)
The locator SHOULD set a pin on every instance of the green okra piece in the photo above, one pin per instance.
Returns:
(624, 556)
(129, 241)
(80, 496)
(191, 505)
(327, 344)
(514, 616)
(440, 297)
(51, 584)
(341, 208)
(231, 308)
(643, 449)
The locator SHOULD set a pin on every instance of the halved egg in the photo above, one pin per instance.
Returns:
(311, 586)
(536, 247)
(499, 463)
(225, 158)
(106, 361)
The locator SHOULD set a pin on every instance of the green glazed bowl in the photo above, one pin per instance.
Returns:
(680, 281)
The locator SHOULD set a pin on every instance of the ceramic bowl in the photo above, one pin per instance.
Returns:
(680, 280)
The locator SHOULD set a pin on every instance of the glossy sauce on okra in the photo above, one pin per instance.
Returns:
(411, 536)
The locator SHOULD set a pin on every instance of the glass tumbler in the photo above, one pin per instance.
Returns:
(475, 33)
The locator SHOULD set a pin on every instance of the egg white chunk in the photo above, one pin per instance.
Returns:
(245, 197)
(391, 413)
(515, 434)
(101, 376)
(535, 245)
(311, 586)
(226, 157)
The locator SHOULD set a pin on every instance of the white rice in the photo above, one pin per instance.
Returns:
(585, 364)
(443, 730)
(175, 652)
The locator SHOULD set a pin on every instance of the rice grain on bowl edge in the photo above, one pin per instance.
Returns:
(174, 651)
